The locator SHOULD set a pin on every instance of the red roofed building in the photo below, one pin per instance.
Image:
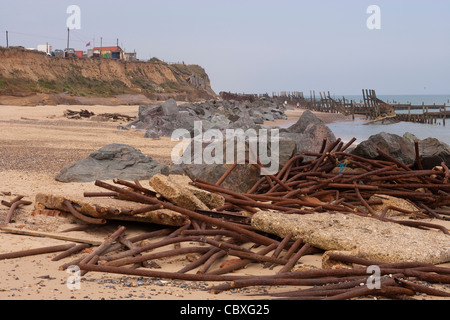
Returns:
(110, 52)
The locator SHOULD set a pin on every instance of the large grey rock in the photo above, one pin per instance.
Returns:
(433, 152)
(146, 112)
(170, 107)
(257, 116)
(306, 119)
(408, 136)
(115, 161)
(220, 120)
(268, 117)
(391, 144)
(308, 132)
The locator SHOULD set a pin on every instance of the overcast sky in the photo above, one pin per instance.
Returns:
(258, 46)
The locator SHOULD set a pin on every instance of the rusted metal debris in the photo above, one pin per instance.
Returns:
(13, 205)
(333, 181)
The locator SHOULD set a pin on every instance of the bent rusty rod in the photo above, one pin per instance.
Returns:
(81, 216)
(13, 207)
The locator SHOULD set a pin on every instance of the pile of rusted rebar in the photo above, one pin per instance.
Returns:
(321, 184)
(337, 181)
(329, 181)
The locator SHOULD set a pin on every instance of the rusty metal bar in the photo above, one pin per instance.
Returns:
(280, 248)
(156, 255)
(99, 194)
(421, 288)
(292, 261)
(105, 245)
(244, 262)
(81, 216)
(159, 274)
(13, 207)
(33, 252)
(70, 251)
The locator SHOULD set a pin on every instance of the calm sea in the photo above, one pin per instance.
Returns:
(346, 130)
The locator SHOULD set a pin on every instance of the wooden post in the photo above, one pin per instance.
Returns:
(409, 113)
(373, 103)
(444, 115)
(321, 102)
(365, 104)
(353, 109)
(7, 40)
(331, 103)
(423, 112)
(314, 95)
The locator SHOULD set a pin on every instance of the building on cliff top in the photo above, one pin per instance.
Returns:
(110, 52)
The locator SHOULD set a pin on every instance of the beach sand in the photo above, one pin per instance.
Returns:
(35, 144)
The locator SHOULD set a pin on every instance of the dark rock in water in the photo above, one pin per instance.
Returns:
(433, 152)
(115, 161)
(391, 144)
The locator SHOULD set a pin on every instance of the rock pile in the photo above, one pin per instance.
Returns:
(163, 119)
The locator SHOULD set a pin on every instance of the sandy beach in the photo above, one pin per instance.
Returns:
(36, 143)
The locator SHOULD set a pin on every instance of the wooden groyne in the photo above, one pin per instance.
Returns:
(426, 116)
(371, 107)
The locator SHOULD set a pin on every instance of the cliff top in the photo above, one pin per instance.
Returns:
(25, 72)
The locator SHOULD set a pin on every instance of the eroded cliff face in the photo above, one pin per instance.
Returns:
(24, 72)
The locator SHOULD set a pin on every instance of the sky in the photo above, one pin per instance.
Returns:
(260, 46)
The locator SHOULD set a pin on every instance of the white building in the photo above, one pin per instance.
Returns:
(45, 48)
